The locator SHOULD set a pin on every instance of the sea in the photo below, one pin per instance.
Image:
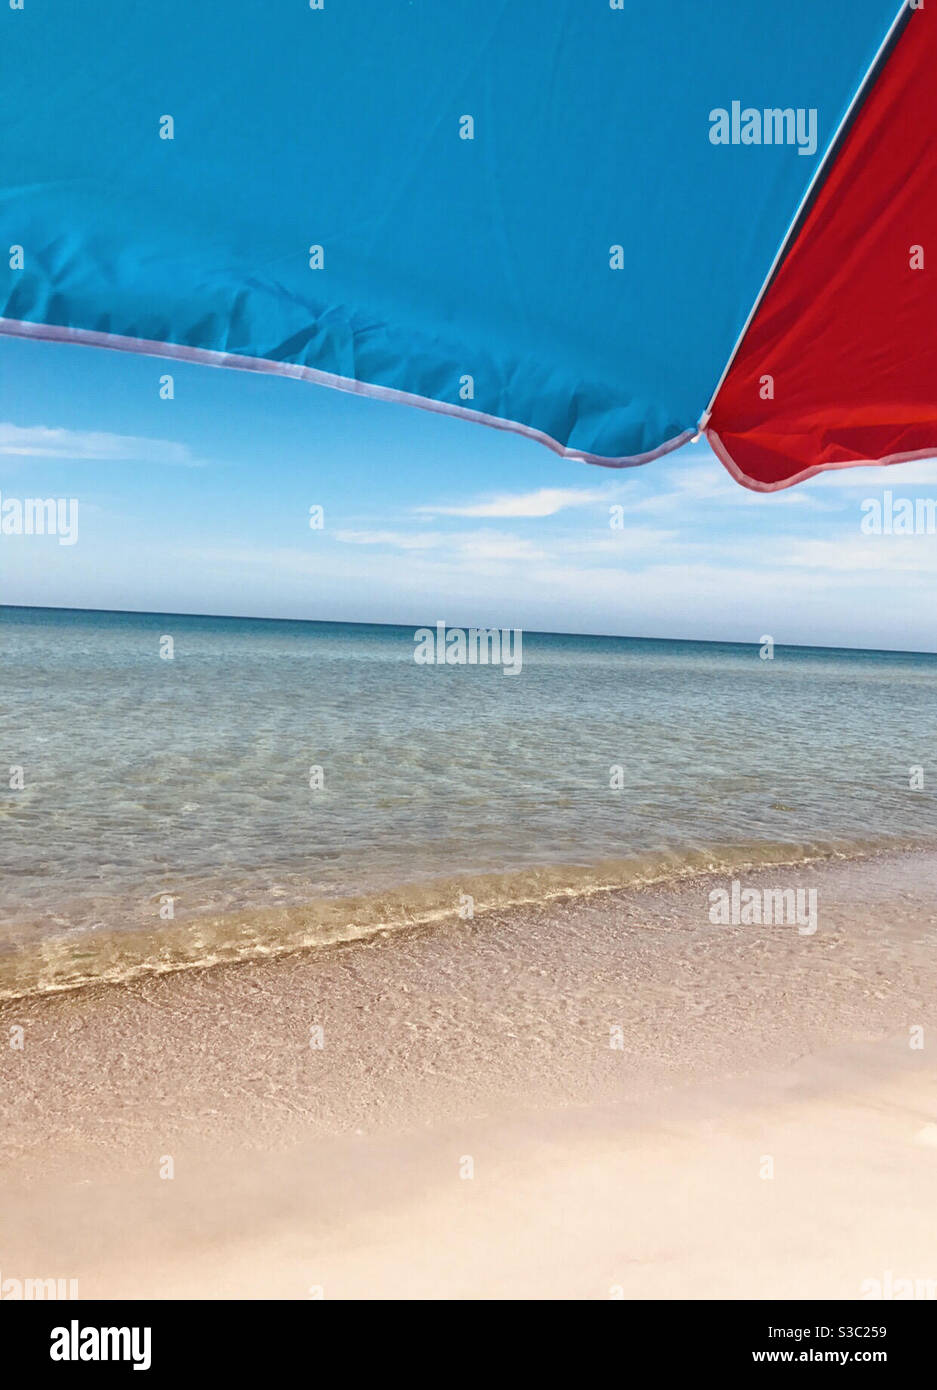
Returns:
(178, 790)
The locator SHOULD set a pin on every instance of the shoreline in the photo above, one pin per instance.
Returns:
(596, 1167)
(36, 966)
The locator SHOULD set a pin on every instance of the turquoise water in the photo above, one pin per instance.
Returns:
(146, 777)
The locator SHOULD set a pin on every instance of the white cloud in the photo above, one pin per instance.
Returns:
(493, 545)
(473, 545)
(915, 473)
(630, 540)
(41, 441)
(398, 540)
(546, 501)
(707, 481)
(859, 554)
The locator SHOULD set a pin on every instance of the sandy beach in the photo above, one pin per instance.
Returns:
(602, 1097)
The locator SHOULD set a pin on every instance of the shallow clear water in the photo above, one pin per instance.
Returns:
(190, 777)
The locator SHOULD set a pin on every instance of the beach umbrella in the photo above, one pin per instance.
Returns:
(604, 224)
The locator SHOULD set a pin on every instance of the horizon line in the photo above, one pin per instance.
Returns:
(535, 632)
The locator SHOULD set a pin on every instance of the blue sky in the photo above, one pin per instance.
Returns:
(201, 504)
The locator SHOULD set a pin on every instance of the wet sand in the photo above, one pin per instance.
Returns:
(762, 1126)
